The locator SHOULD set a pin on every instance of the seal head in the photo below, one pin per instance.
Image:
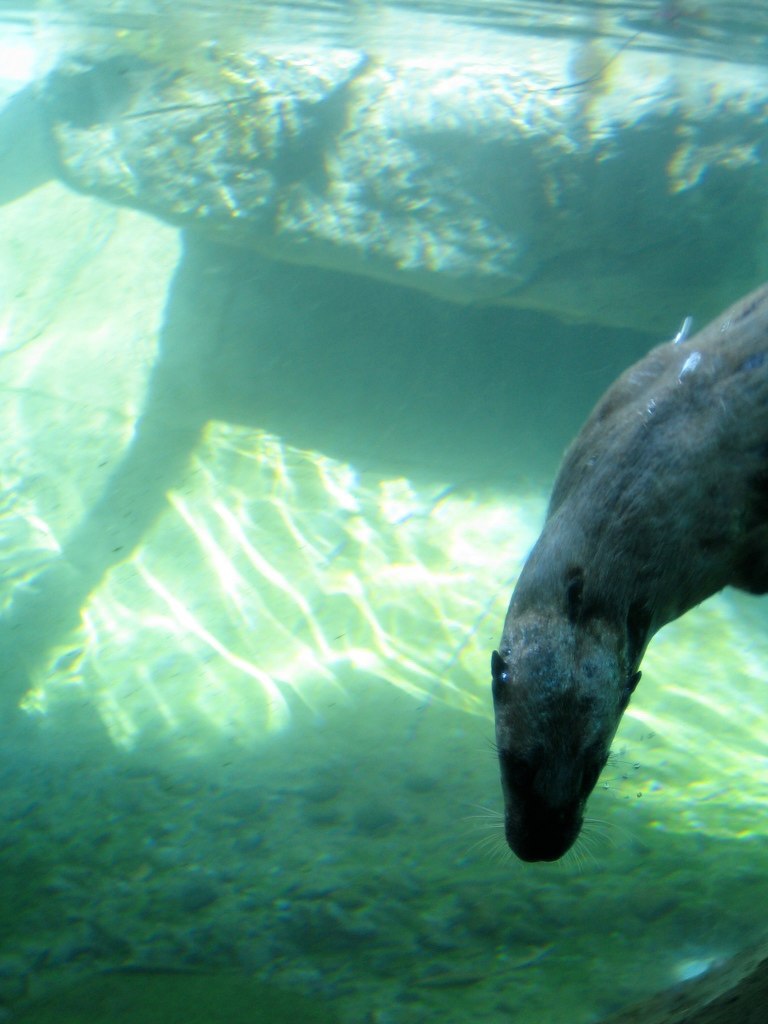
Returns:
(557, 707)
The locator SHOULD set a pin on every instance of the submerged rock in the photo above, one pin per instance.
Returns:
(601, 179)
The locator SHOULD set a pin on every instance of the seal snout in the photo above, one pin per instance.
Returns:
(556, 706)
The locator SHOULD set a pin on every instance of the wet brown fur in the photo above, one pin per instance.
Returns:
(661, 501)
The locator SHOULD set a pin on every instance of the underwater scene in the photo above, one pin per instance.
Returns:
(301, 306)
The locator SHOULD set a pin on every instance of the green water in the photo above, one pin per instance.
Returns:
(252, 778)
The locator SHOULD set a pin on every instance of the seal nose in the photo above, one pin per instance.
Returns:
(544, 837)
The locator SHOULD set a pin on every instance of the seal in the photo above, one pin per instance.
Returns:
(661, 501)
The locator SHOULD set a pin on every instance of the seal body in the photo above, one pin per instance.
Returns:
(661, 501)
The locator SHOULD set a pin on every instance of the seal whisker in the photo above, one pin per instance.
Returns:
(491, 822)
(488, 820)
(613, 831)
(500, 853)
(491, 812)
(597, 834)
(620, 757)
(585, 845)
(624, 772)
(485, 827)
(481, 844)
(573, 857)
(491, 846)
(493, 745)
(577, 857)
(608, 832)
(487, 816)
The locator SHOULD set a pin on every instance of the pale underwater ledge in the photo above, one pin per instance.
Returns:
(273, 573)
(490, 166)
(277, 576)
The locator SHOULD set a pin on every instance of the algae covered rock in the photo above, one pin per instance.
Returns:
(600, 178)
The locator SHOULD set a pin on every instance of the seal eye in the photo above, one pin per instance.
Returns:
(499, 676)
